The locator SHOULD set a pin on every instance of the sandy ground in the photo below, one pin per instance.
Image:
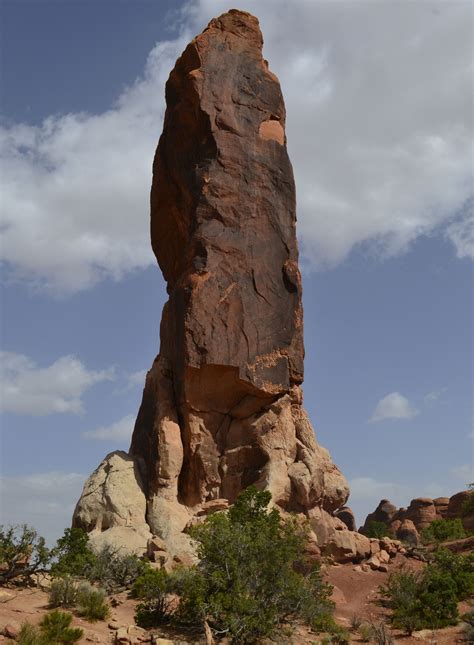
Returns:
(355, 594)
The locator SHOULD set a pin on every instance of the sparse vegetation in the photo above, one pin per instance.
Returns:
(22, 553)
(380, 634)
(91, 603)
(54, 629)
(113, 570)
(443, 530)
(63, 592)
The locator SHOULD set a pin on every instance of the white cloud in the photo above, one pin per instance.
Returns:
(43, 500)
(379, 127)
(393, 406)
(434, 396)
(119, 431)
(364, 488)
(26, 388)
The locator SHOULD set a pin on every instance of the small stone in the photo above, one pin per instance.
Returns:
(12, 630)
(114, 624)
(383, 556)
(357, 568)
(374, 562)
(365, 567)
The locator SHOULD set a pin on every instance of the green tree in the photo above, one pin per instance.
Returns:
(247, 581)
(72, 553)
(22, 552)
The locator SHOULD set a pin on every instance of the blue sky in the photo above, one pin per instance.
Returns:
(380, 135)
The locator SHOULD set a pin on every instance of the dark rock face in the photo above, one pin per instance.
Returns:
(222, 405)
(385, 512)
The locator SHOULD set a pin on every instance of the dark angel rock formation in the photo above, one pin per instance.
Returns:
(222, 404)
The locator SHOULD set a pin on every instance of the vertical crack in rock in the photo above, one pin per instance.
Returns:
(222, 404)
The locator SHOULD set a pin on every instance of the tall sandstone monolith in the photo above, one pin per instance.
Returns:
(222, 404)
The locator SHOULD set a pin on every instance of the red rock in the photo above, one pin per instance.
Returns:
(456, 504)
(421, 512)
(347, 516)
(384, 512)
(222, 404)
(12, 630)
(408, 533)
(441, 506)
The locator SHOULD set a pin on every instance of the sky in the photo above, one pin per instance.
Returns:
(379, 126)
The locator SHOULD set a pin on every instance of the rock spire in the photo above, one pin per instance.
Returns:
(222, 404)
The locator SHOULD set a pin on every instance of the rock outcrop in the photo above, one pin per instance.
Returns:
(406, 524)
(222, 404)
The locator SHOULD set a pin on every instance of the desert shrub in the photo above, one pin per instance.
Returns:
(458, 567)
(30, 635)
(442, 531)
(115, 571)
(377, 530)
(63, 592)
(246, 583)
(365, 632)
(429, 599)
(380, 634)
(154, 588)
(91, 603)
(73, 555)
(22, 552)
(338, 635)
(55, 628)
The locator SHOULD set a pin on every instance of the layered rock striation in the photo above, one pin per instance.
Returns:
(222, 404)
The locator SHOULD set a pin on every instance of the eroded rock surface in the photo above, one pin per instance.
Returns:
(222, 404)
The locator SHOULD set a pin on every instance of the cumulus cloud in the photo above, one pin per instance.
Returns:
(393, 406)
(119, 431)
(26, 388)
(43, 500)
(379, 129)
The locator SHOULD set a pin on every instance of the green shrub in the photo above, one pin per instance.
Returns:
(115, 571)
(246, 583)
(55, 628)
(72, 554)
(22, 552)
(91, 603)
(429, 599)
(377, 530)
(442, 531)
(30, 635)
(154, 588)
(63, 592)
(460, 568)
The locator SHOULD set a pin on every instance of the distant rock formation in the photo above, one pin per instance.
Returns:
(222, 404)
(406, 524)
